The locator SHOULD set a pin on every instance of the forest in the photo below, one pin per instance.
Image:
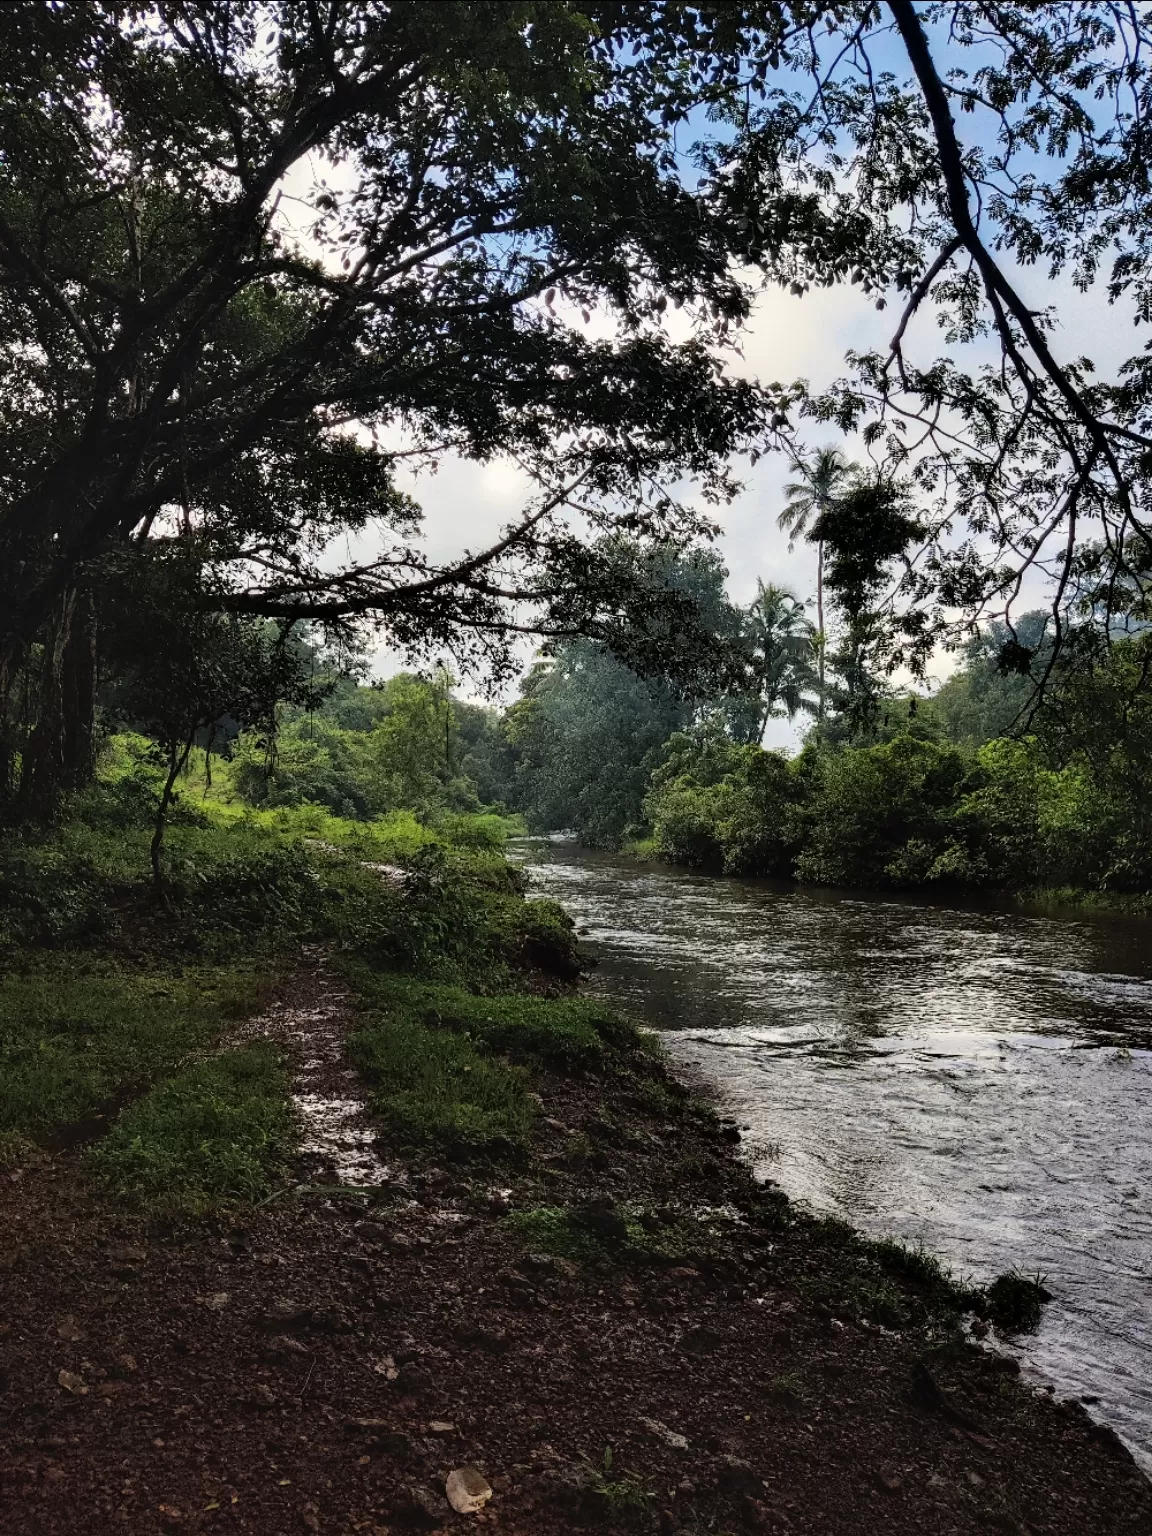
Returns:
(428, 426)
(976, 784)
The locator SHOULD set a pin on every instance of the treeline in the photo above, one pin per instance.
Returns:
(947, 790)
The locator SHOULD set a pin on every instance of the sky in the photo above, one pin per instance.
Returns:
(466, 505)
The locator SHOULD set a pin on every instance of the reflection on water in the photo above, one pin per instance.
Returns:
(977, 1080)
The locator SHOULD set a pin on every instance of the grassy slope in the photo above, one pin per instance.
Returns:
(110, 999)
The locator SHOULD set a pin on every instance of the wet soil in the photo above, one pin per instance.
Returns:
(325, 1365)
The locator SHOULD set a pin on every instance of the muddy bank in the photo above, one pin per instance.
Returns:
(697, 1361)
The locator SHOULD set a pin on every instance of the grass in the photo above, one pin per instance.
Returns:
(213, 1136)
(75, 1038)
(615, 1235)
(570, 1033)
(887, 1281)
(902, 1285)
(1015, 1302)
(434, 1087)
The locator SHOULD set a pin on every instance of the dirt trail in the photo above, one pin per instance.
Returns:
(324, 1367)
(309, 1021)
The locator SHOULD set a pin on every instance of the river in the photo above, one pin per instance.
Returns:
(977, 1080)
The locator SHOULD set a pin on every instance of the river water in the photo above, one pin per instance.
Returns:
(976, 1080)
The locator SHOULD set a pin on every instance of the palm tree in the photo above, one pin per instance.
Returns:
(782, 642)
(805, 502)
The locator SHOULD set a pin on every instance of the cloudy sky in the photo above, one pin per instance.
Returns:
(466, 504)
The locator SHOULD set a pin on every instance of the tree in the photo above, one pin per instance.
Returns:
(181, 670)
(805, 502)
(594, 713)
(584, 737)
(867, 530)
(407, 753)
(780, 643)
(983, 700)
(467, 178)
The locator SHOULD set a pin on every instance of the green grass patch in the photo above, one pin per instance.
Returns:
(569, 1033)
(435, 1087)
(614, 1234)
(550, 1229)
(215, 1135)
(888, 1281)
(74, 1040)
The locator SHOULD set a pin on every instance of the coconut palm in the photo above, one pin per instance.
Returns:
(782, 644)
(805, 502)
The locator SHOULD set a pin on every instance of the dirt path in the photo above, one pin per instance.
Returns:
(309, 1021)
(324, 1367)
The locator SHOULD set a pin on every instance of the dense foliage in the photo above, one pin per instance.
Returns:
(251, 253)
(935, 797)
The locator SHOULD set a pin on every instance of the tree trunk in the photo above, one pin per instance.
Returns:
(177, 758)
(42, 770)
(7, 727)
(79, 696)
(60, 751)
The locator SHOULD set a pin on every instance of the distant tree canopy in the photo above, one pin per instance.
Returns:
(254, 254)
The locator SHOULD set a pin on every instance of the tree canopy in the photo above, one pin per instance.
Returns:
(256, 256)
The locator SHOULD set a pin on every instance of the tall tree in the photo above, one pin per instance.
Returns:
(782, 646)
(823, 473)
(245, 247)
(253, 251)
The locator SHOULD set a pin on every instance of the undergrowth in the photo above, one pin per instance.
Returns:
(75, 1038)
(213, 1136)
(433, 1087)
(569, 1033)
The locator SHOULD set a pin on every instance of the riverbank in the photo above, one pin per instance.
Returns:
(545, 1260)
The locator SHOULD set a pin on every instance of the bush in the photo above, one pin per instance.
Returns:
(73, 1042)
(571, 1033)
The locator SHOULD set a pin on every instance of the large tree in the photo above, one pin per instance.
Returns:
(251, 252)
(823, 475)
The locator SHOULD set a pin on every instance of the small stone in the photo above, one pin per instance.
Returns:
(441, 1427)
(669, 1436)
(468, 1490)
(72, 1383)
(284, 1351)
(888, 1482)
(421, 1505)
(282, 1313)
